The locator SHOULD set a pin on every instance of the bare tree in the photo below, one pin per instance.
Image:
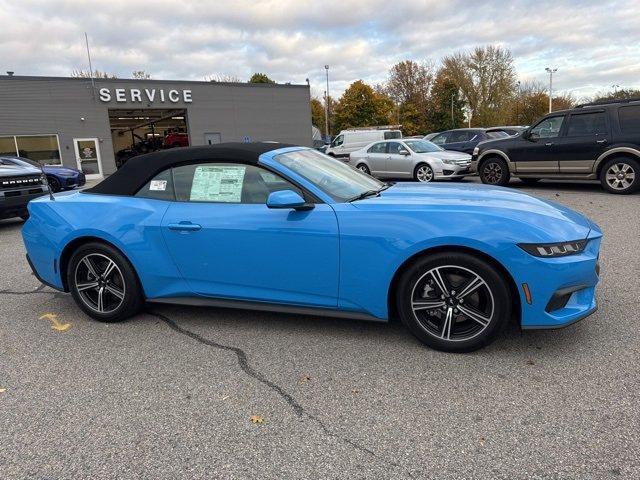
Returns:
(96, 74)
(217, 78)
(140, 75)
(409, 81)
(486, 78)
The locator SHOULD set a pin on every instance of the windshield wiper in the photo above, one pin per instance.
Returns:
(368, 193)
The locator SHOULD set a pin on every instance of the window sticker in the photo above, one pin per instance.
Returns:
(158, 185)
(217, 183)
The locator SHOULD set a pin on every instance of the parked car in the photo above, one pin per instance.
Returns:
(592, 141)
(59, 178)
(465, 139)
(410, 158)
(260, 226)
(18, 185)
(509, 130)
(429, 136)
(175, 139)
(348, 141)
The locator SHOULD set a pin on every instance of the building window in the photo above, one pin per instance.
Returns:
(44, 149)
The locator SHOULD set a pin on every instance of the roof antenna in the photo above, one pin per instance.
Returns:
(93, 84)
(46, 182)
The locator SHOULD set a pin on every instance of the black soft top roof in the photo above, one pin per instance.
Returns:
(139, 170)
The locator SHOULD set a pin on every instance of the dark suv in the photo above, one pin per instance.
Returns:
(593, 141)
(465, 139)
(18, 185)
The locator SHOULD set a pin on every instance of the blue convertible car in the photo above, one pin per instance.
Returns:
(275, 227)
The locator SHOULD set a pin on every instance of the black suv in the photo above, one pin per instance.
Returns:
(18, 185)
(465, 139)
(593, 141)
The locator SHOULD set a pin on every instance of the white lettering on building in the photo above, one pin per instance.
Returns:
(150, 95)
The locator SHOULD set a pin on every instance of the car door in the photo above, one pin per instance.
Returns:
(537, 152)
(377, 158)
(586, 138)
(398, 165)
(458, 140)
(228, 244)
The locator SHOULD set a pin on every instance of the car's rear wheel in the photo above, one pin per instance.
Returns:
(529, 181)
(620, 175)
(454, 302)
(495, 171)
(54, 184)
(363, 168)
(103, 283)
(423, 173)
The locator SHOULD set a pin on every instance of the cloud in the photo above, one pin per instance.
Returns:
(593, 44)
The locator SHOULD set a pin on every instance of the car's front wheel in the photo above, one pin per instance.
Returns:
(54, 184)
(455, 302)
(363, 168)
(103, 283)
(620, 175)
(495, 171)
(423, 173)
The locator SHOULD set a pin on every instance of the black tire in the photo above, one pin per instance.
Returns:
(529, 181)
(25, 216)
(495, 171)
(54, 184)
(620, 175)
(423, 173)
(363, 168)
(490, 300)
(127, 283)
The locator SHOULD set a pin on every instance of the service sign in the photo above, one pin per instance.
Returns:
(144, 95)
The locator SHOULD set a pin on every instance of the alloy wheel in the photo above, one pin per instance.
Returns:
(99, 283)
(363, 168)
(492, 172)
(424, 173)
(620, 176)
(452, 303)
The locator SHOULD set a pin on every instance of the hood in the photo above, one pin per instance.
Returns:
(543, 220)
(447, 155)
(54, 169)
(14, 170)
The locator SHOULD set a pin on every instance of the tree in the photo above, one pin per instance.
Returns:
(317, 113)
(616, 94)
(96, 74)
(140, 75)
(260, 78)
(216, 78)
(361, 106)
(443, 93)
(408, 85)
(531, 101)
(486, 78)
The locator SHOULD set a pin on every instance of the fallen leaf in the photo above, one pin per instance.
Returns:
(531, 362)
(305, 378)
(482, 440)
(355, 391)
(256, 419)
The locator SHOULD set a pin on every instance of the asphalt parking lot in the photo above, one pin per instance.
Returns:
(185, 392)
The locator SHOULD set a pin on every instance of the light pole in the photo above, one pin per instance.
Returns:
(326, 103)
(551, 71)
(518, 103)
(453, 122)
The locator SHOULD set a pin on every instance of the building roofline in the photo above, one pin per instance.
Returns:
(151, 80)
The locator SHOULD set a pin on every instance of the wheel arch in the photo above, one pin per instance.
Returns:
(487, 154)
(74, 244)
(513, 288)
(623, 152)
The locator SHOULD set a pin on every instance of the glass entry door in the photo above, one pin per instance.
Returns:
(88, 157)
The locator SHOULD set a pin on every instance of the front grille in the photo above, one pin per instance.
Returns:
(12, 183)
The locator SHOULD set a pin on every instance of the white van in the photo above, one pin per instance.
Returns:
(354, 139)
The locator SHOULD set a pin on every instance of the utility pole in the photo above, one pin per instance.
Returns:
(453, 122)
(326, 114)
(551, 71)
(93, 84)
(518, 103)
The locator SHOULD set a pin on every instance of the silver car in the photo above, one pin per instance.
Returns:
(418, 159)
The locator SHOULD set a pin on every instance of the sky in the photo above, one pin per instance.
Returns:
(593, 44)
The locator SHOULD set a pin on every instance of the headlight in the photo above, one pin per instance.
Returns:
(548, 250)
(448, 161)
(66, 174)
(476, 150)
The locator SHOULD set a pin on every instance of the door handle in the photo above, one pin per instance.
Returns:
(184, 227)
(604, 140)
(548, 144)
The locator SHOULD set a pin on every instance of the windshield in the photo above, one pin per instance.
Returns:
(333, 177)
(422, 146)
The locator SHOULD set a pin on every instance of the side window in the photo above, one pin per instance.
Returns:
(629, 119)
(394, 148)
(587, 124)
(440, 139)
(460, 136)
(547, 128)
(159, 187)
(380, 147)
(227, 183)
(339, 140)
(392, 134)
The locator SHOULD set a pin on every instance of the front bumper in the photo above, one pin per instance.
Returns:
(451, 171)
(473, 168)
(14, 203)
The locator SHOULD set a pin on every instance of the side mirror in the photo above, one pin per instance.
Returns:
(287, 199)
(404, 152)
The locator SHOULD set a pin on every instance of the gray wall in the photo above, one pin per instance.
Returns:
(46, 105)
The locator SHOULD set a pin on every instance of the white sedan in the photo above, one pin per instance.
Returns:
(410, 158)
